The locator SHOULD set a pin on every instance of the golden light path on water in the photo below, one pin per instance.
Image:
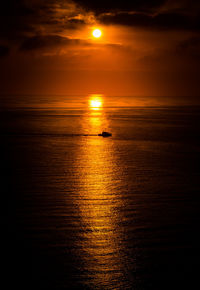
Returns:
(98, 204)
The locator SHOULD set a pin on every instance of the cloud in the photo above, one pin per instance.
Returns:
(149, 21)
(151, 14)
(49, 42)
(101, 6)
(23, 18)
(30, 25)
(142, 6)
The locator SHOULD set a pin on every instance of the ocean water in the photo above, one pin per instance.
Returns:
(86, 212)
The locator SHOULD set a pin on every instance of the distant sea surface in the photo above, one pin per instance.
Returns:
(86, 212)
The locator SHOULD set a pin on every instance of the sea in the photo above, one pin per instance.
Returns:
(80, 211)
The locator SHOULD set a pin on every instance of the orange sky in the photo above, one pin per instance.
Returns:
(54, 57)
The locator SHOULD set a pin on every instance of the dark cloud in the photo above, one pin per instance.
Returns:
(15, 18)
(151, 14)
(76, 21)
(145, 6)
(148, 21)
(19, 18)
(100, 6)
(49, 41)
(38, 42)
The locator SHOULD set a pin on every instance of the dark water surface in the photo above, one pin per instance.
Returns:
(101, 213)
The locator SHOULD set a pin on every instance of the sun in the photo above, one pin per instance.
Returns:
(96, 33)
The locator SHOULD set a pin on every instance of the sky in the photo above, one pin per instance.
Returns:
(147, 48)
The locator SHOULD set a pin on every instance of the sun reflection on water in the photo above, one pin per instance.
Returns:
(96, 101)
(95, 120)
(98, 205)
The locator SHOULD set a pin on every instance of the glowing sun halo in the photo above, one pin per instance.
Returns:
(95, 104)
(96, 33)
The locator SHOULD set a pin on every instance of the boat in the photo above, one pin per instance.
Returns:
(105, 134)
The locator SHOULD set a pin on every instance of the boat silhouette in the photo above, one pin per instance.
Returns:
(105, 134)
